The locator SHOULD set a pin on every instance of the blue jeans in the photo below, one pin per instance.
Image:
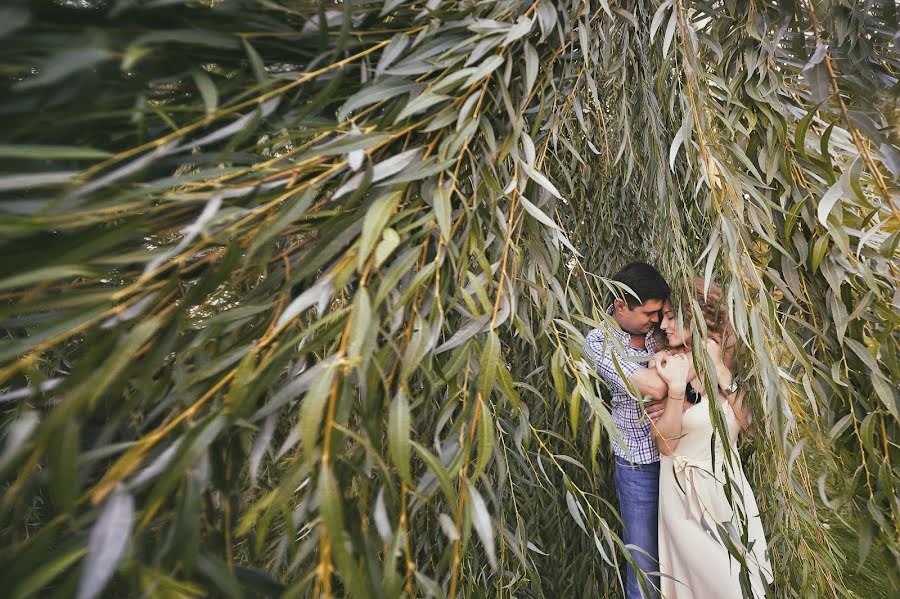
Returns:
(637, 486)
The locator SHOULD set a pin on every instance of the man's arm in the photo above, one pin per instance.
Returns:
(648, 382)
(611, 365)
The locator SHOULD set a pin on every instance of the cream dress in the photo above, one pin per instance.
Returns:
(696, 520)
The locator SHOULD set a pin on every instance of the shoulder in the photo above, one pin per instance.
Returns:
(595, 335)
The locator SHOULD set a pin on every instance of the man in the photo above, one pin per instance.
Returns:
(627, 352)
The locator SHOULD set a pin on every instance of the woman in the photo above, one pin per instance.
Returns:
(700, 530)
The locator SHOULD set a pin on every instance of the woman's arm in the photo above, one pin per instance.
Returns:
(666, 429)
(741, 413)
(724, 377)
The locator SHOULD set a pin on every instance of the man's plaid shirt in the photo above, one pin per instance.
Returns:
(626, 409)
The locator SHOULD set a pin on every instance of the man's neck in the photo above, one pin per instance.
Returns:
(637, 341)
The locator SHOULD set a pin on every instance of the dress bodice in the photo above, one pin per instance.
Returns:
(697, 430)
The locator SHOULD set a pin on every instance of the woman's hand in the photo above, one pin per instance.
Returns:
(715, 352)
(674, 370)
(659, 356)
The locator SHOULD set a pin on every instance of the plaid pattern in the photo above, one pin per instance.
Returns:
(612, 355)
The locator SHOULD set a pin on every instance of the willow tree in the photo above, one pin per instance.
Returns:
(294, 292)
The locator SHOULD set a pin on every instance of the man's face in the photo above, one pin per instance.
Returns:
(639, 320)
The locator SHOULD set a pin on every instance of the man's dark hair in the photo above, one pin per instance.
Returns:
(645, 281)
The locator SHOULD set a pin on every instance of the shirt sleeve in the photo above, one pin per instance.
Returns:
(609, 359)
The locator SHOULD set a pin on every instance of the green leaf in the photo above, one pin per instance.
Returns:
(487, 364)
(439, 471)
(36, 152)
(360, 347)
(45, 574)
(488, 66)
(442, 210)
(398, 435)
(106, 546)
(10, 182)
(63, 65)
(481, 520)
(421, 103)
(377, 217)
(44, 275)
(540, 180)
(208, 90)
(485, 440)
(312, 411)
(828, 201)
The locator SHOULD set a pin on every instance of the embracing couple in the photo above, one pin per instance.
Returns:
(686, 506)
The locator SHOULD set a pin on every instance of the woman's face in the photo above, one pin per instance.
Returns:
(676, 335)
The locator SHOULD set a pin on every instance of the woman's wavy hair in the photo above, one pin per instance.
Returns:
(718, 326)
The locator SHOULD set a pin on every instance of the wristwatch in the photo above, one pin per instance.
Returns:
(732, 388)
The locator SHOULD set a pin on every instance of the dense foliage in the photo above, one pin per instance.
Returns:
(294, 292)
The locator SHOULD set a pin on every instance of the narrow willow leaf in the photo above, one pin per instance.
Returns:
(17, 434)
(256, 63)
(442, 209)
(44, 275)
(519, 30)
(44, 574)
(487, 364)
(485, 440)
(384, 89)
(292, 209)
(541, 180)
(449, 527)
(34, 152)
(331, 508)
(390, 241)
(208, 90)
(382, 523)
(377, 217)
(63, 65)
(481, 520)
(421, 103)
(466, 332)
(360, 328)
(673, 150)
(488, 66)
(318, 294)
(398, 435)
(382, 170)
(818, 55)
(261, 446)
(885, 391)
(10, 182)
(392, 51)
(348, 143)
(828, 201)
(532, 62)
(537, 213)
(312, 411)
(440, 472)
(107, 543)
(670, 32)
(575, 511)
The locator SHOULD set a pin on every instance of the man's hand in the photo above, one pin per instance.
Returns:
(655, 409)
